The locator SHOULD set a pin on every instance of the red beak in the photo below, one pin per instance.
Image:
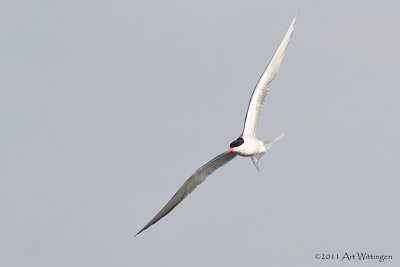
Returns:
(230, 150)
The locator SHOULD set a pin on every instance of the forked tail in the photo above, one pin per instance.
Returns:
(270, 142)
(267, 144)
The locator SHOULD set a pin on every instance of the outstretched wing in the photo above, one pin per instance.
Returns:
(197, 178)
(260, 92)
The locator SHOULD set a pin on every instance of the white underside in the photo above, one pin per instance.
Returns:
(250, 147)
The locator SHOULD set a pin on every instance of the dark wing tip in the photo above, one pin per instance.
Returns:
(138, 232)
(144, 228)
(165, 210)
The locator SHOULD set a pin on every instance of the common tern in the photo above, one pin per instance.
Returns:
(246, 145)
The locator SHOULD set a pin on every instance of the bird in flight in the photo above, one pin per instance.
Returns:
(246, 145)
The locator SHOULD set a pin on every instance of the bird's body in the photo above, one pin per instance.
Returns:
(250, 147)
(247, 145)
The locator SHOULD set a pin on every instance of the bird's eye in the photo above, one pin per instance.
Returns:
(237, 142)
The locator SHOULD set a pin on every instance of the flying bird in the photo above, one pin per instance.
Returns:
(247, 145)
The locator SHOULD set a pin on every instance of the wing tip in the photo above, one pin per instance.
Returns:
(293, 24)
(144, 228)
(138, 233)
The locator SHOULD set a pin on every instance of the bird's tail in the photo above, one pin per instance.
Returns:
(267, 144)
(270, 142)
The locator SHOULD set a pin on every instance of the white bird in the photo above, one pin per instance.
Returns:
(246, 145)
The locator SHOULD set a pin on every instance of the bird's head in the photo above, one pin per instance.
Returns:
(237, 143)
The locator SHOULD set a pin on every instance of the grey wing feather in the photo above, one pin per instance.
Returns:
(197, 178)
(261, 90)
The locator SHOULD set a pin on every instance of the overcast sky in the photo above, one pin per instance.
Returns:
(107, 107)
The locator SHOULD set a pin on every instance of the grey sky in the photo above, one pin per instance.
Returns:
(107, 107)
